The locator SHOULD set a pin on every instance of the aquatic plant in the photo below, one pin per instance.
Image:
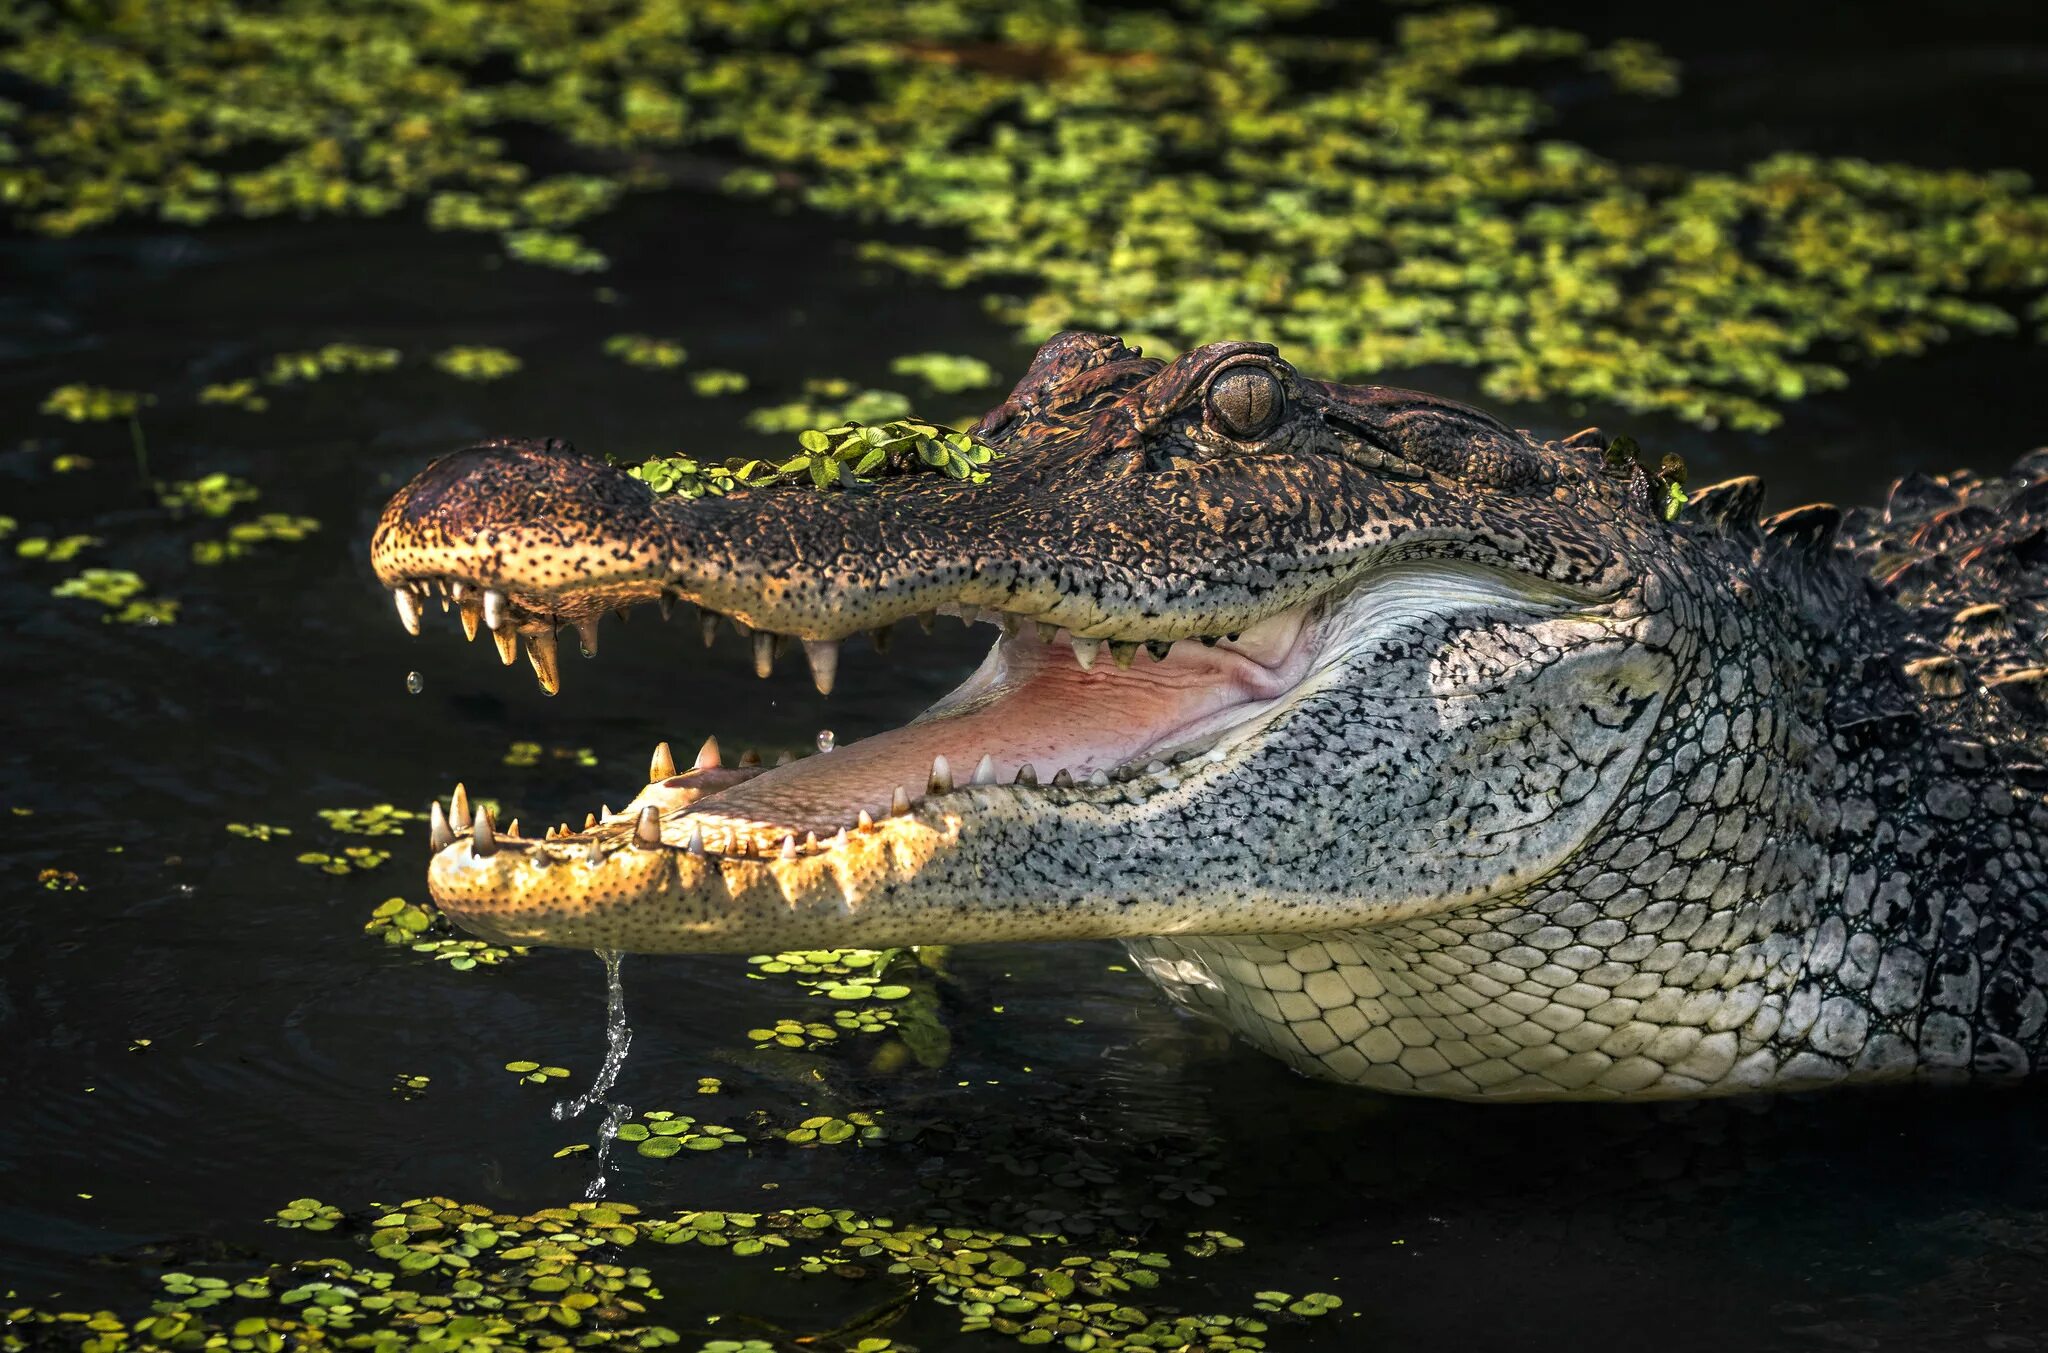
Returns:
(1372, 204)
(837, 457)
(422, 928)
(645, 350)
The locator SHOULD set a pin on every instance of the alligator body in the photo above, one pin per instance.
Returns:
(1425, 755)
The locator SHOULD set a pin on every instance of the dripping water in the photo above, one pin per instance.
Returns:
(618, 1037)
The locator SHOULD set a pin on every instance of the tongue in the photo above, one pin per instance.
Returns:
(1029, 704)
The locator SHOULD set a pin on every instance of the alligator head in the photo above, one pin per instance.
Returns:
(1279, 658)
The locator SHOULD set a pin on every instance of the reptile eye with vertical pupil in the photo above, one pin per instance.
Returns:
(1245, 401)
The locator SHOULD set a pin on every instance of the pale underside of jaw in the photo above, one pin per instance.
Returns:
(1038, 717)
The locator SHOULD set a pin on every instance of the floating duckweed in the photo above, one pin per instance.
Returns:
(829, 402)
(94, 403)
(257, 831)
(477, 363)
(1208, 1244)
(308, 1214)
(552, 250)
(422, 928)
(244, 536)
(645, 350)
(335, 359)
(242, 394)
(827, 1131)
(214, 495)
(56, 550)
(408, 1085)
(60, 881)
(529, 754)
(946, 373)
(717, 381)
(794, 1033)
(661, 1133)
(117, 589)
(709, 1085)
(352, 859)
(823, 962)
(533, 1073)
(379, 819)
(830, 458)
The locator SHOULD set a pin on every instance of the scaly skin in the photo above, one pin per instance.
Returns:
(1510, 788)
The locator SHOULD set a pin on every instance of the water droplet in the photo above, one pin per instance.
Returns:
(414, 683)
(827, 740)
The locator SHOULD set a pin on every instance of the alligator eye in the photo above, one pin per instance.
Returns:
(1245, 401)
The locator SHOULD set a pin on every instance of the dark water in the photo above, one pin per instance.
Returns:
(1854, 1221)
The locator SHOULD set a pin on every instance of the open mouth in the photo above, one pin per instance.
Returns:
(1047, 713)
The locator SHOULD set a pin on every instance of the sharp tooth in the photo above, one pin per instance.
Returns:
(458, 590)
(784, 757)
(942, 777)
(408, 609)
(764, 653)
(810, 840)
(663, 764)
(696, 843)
(864, 821)
(507, 641)
(1026, 775)
(547, 668)
(666, 604)
(604, 812)
(589, 821)
(494, 608)
(985, 770)
(707, 755)
(1155, 768)
(1124, 653)
(482, 840)
(596, 855)
(824, 656)
(1047, 631)
(899, 803)
(586, 634)
(838, 839)
(1159, 648)
(789, 847)
(708, 627)
(458, 810)
(1063, 779)
(1099, 780)
(1085, 651)
(471, 612)
(750, 758)
(513, 830)
(647, 831)
(439, 836)
(880, 638)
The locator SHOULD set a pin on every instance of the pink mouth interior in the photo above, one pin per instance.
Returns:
(1032, 704)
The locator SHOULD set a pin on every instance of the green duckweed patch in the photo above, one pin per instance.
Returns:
(257, 831)
(410, 1085)
(55, 549)
(477, 363)
(437, 1273)
(945, 373)
(527, 755)
(715, 381)
(422, 928)
(1371, 204)
(845, 456)
(379, 819)
(94, 403)
(646, 351)
(533, 1073)
(347, 860)
(118, 591)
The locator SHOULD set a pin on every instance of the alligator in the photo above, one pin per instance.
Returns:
(1426, 755)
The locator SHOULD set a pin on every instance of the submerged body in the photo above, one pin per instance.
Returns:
(1425, 755)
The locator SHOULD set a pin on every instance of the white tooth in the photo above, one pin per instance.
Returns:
(707, 755)
(764, 653)
(1099, 779)
(647, 831)
(408, 610)
(1155, 768)
(1084, 652)
(864, 820)
(458, 590)
(838, 839)
(810, 840)
(899, 803)
(494, 608)
(586, 634)
(696, 846)
(789, 847)
(439, 834)
(824, 656)
(985, 771)
(942, 776)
